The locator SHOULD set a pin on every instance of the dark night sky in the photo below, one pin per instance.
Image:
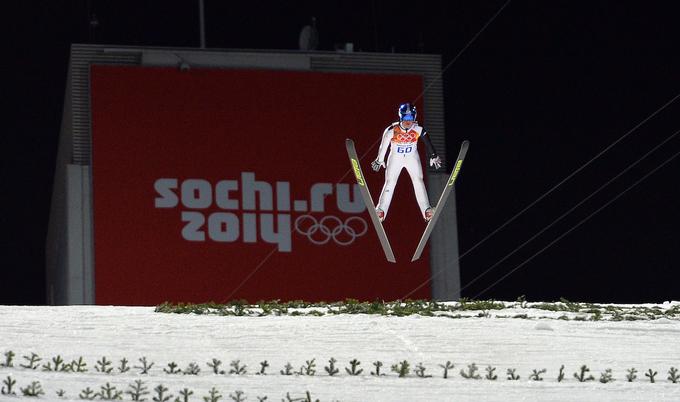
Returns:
(545, 88)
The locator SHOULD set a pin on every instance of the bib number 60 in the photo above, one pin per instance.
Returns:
(404, 149)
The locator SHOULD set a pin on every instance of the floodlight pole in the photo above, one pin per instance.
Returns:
(201, 22)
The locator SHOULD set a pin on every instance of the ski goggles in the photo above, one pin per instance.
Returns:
(408, 117)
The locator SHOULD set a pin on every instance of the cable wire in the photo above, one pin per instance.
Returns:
(577, 225)
(553, 188)
(569, 211)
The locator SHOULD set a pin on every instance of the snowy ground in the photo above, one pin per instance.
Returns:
(524, 344)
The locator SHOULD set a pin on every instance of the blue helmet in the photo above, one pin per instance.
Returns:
(407, 111)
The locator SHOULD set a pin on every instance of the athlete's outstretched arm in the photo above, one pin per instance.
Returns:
(384, 144)
(434, 159)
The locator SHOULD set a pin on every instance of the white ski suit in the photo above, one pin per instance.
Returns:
(403, 154)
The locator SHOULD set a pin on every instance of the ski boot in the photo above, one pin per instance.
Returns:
(380, 213)
(429, 213)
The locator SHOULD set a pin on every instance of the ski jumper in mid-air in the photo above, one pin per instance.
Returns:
(402, 137)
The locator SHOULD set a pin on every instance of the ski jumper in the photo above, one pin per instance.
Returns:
(403, 154)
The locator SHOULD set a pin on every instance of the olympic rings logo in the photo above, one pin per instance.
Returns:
(329, 227)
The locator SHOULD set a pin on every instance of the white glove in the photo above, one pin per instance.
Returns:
(377, 164)
(436, 161)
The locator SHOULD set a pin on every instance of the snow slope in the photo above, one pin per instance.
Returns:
(524, 344)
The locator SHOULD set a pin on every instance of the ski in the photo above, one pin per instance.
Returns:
(368, 201)
(442, 200)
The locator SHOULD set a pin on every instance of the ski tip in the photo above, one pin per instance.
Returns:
(415, 258)
(349, 141)
(463, 149)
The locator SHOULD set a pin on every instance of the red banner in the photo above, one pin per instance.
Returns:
(211, 185)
